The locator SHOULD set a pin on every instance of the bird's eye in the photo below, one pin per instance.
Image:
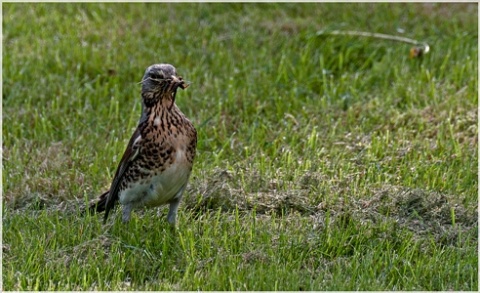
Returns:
(156, 76)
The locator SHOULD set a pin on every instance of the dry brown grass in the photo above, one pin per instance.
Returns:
(421, 211)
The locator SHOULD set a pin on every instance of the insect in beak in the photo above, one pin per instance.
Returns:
(181, 83)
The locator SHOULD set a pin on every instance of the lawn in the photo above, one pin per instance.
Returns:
(325, 162)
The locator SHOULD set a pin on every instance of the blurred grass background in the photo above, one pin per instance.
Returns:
(324, 162)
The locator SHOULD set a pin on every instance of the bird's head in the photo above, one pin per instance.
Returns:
(160, 84)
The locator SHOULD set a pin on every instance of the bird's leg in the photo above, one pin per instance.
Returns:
(174, 203)
(172, 212)
(127, 210)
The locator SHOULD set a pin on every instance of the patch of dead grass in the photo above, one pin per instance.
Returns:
(45, 178)
(421, 211)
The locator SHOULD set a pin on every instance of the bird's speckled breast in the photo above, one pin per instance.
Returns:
(160, 186)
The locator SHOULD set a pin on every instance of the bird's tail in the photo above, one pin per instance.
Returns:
(100, 205)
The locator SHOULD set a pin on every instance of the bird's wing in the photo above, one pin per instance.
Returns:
(130, 154)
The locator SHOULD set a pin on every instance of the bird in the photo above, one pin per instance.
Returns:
(157, 163)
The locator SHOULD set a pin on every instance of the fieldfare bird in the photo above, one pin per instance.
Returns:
(157, 163)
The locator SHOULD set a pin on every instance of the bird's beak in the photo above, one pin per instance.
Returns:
(179, 81)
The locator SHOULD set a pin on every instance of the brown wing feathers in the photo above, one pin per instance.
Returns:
(108, 199)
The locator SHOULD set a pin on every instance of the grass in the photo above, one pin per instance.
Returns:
(324, 162)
